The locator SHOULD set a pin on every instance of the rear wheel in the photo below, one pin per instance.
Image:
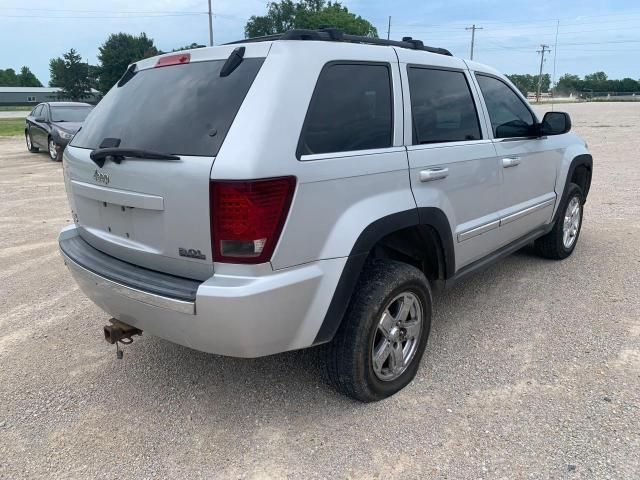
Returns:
(377, 349)
(561, 241)
(53, 151)
(29, 140)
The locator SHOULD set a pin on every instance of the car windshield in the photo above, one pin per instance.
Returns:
(70, 114)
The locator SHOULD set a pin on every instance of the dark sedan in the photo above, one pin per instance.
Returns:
(52, 125)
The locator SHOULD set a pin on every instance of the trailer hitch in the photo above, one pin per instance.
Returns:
(120, 333)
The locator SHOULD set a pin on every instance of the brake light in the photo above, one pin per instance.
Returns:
(179, 59)
(247, 218)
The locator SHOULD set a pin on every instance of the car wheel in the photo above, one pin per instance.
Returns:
(562, 240)
(53, 151)
(377, 349)
(30, 146)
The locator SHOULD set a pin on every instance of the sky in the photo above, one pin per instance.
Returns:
(593, 35)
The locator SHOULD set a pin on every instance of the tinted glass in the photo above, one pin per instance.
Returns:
(69, 114)
(37, 111)
(45, 112)
(442, 107)
(509, 115)
(350, 110)
(180, 109)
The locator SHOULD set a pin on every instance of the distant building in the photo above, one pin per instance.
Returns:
(35, 95)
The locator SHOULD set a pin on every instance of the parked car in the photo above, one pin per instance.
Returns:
(311, 188)
(51, 125)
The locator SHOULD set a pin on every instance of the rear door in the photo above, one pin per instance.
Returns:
(528, 162)
(452, 162)
(155, 213)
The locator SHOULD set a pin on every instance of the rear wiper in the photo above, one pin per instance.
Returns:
(117, 154)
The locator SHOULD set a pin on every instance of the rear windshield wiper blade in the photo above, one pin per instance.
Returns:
(117, 154)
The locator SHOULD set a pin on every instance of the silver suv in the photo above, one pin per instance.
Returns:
(311, 188)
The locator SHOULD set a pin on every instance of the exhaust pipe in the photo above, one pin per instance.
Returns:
(119, 331)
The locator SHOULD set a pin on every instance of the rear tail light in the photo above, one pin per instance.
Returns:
(179, 59)
(247, 218)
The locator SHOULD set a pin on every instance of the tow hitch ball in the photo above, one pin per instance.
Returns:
(120, 333)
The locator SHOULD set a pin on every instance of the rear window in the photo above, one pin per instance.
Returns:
(182, 109)
(350, 110)
(69, 114)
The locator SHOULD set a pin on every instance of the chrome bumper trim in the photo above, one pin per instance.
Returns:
(167, 303)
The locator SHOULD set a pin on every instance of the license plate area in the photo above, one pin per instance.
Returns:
(117, 220)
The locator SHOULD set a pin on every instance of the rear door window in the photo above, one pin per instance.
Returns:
(351, 109)
(180, 109)
(510, 116)
(442, 107)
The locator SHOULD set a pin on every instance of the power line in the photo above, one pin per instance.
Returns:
(473, 29)
(543, 48)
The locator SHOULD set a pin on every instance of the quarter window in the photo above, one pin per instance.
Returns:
(509, 115)
(350, 110)
(442, 107)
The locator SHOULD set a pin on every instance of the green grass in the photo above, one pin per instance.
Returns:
(11, 126)
(4, 108)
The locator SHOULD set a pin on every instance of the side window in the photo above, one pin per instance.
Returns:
(37, 111)
(351, 109)
(509, 115)
(442, 107)
(45, 112)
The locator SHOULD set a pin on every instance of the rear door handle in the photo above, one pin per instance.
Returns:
(510, 162)
(433, 174)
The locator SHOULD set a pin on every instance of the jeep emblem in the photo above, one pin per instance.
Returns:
(101, 177)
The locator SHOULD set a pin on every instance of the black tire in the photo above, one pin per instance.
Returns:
(349, 357)
(58, 155)
(29, 140)
(552, 245)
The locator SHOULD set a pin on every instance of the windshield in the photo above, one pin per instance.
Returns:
(180, 109)
(69, 114)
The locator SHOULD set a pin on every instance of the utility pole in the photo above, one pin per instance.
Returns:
(210, 26)
(389, 28)
(473, 29)
(543, 48)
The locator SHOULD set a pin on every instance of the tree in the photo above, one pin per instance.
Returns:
(287, 15)
(529, 83)
(8, 78)
(120, 50)
(26, 78)
(71, 75)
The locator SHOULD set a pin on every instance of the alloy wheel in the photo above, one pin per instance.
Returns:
(571, 226)
(397, 336)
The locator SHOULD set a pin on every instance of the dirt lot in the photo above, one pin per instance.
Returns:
(532, 369)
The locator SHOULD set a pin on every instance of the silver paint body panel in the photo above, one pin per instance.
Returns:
(253, 310)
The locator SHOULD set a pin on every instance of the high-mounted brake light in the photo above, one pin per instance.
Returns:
(179, 59)
(247, 218)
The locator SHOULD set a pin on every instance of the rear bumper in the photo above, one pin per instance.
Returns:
(234, 315)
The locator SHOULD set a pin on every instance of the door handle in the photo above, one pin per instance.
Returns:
(510, 162)
(433, 174)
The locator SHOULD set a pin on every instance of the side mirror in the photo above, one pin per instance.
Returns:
(40, 119)
(555, 123)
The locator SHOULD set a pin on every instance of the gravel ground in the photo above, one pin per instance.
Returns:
(532, 368)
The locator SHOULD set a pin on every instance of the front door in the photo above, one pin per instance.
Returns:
(527, 161)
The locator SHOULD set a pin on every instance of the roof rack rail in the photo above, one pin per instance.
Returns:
(336, 35)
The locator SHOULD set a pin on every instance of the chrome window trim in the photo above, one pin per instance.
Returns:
(351, 153)
(167, 303)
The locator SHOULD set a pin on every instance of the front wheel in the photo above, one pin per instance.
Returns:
(377, 349)
(29, 140)
(53, 151)
(560, 242)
